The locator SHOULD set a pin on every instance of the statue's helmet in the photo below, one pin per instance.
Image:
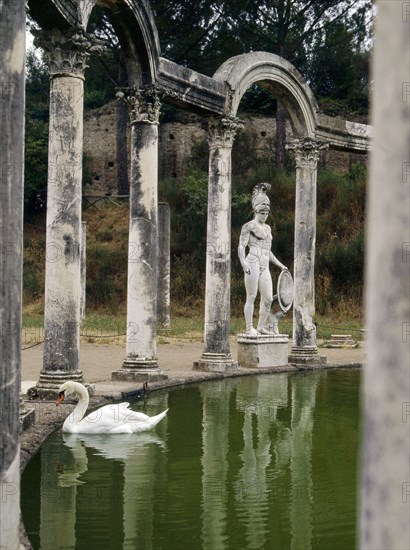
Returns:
(260, 200)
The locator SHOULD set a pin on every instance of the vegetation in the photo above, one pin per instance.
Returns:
(340, 241)
(329, 42)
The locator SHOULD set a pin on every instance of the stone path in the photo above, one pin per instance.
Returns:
(175, 360)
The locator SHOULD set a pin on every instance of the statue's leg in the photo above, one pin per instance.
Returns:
(266, 291)
(251, 285)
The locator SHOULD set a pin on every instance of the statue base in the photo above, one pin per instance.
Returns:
(263, 350)
(215, 362)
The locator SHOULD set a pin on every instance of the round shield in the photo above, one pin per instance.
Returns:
(285, 290)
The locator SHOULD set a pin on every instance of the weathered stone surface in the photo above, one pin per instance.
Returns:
(164, 265)
(175, 145)
(341, 341)
(306, 158)
(12, 61)
(218, 258)
(67, 53)
(276, 75)
(189, 89)
(262, 351)
(141, 346)
(385, 482)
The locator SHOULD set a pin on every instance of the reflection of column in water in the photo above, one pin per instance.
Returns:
(215, 428)
(259, 399)
(303, 407)
(139, 484)
(60, 472)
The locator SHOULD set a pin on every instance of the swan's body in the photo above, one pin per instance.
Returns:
(117, 418)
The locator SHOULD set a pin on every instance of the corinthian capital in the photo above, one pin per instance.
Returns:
(307, 152)
(67, 51)
(144, 103)
(221, 131)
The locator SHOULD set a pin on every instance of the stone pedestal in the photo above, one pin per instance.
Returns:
(216, 362)
(262, 351)
(138, 371)
(306, 355)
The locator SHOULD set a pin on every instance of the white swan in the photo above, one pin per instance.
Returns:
(117, 418)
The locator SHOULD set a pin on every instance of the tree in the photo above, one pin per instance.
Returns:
(204, 34)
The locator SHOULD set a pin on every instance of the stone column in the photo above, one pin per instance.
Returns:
(67, 52)
(83, 268)
(385, 475)
(217, 354)
(304, 348)
(12, 61)
(141, 361)
(164, 237)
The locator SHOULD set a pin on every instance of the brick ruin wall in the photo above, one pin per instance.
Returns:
(175, 142)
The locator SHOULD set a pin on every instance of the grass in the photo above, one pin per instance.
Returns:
(100, 328)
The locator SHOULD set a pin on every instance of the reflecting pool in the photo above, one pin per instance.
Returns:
(261, 462)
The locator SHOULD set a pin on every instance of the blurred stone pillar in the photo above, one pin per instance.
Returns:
(304, 348)
(141, 362)
(164, 253)
(67, 52)
(217, 353)
(12, 61)
(385, 476)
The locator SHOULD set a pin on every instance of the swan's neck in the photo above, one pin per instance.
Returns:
(81, 407)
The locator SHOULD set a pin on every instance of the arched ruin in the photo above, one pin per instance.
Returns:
(152, 81)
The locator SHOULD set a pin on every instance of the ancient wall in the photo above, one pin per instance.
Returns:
(175, 143)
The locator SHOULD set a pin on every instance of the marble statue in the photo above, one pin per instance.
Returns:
(256, 235)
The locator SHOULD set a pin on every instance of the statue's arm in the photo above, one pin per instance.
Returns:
(273, 259)
(243, 243)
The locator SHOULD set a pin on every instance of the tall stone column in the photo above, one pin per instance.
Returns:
(141, 361)
(83, 268)
(385, 472)
(164, 253)
(12, 61)
(304, 348)
(217, 354)
(67, 52)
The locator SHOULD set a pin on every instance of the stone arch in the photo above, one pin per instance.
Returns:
(132, 21)
(279, 77)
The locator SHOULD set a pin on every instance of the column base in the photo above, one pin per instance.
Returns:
(49, 383)
(262, 351)
(139, 370)
(307, 355)
(215, 362)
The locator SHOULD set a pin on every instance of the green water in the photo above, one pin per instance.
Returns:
(266, 462)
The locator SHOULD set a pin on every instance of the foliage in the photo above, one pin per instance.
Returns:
(327, 41)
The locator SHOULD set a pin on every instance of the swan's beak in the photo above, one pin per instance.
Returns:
(60, 398)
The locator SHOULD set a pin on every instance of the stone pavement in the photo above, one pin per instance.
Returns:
(176, 360)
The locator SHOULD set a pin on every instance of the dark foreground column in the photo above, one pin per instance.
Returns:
(12, 61)
(385, 476)
(217, 353)
(304, 348)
